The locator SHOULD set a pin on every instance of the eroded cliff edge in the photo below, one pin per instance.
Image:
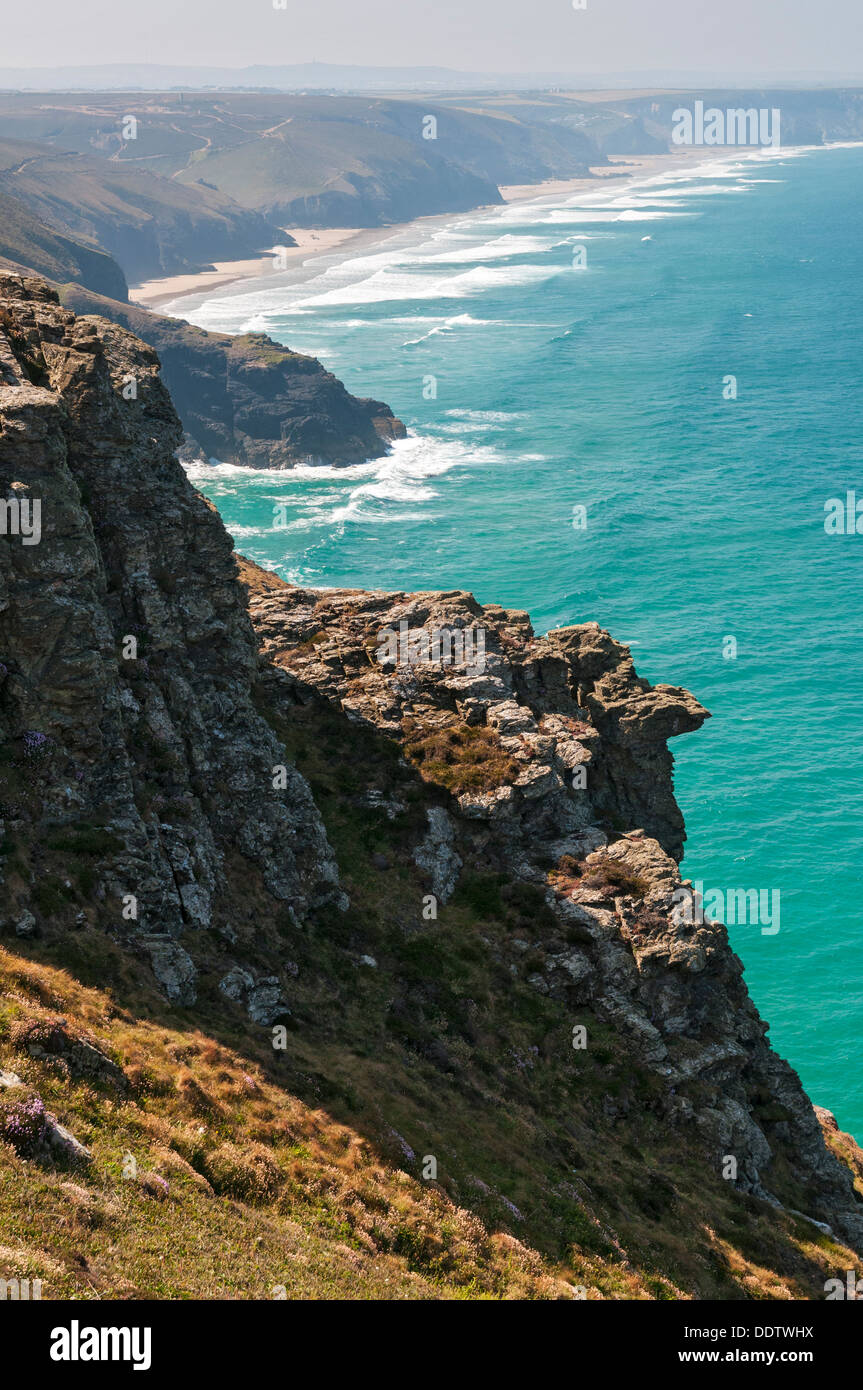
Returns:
(474, 860)
(248, 400)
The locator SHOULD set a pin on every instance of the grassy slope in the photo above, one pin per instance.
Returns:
(364, 156)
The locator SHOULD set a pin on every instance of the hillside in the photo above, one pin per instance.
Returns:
(310, 160)
(152, 226)
(29, 246)
(211, 176)
(807, 117)
(330, 972)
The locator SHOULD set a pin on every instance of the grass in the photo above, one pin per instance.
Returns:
(611, 874)
(460, 757)
(215, 1182)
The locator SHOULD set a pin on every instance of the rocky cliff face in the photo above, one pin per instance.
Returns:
(250, 401)
(128, 659)
(554, 754)
(492, 870)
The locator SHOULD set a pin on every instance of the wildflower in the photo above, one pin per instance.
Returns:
(23, 1123)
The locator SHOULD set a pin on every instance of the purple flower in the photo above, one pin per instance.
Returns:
(513, 1208)
(403, 1145)
(35, 743)
(23, 1125)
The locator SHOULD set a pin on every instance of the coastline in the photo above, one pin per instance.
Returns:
(150, 294)
(321, 241)
(621, 167)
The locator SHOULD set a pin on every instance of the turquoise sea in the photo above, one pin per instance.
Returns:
(602, 386)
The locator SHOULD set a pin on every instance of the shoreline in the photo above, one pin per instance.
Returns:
(314, 240)
(620, 168)
(194, 289)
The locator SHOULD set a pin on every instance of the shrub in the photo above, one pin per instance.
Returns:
(480, 893)
(84, 839)
(610, 873)
(51, 895)
(460, 757)
(49, 1034)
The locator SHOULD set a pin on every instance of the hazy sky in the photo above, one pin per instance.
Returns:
(490, 35)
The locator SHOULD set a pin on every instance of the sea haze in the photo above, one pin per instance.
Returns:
(559, 386)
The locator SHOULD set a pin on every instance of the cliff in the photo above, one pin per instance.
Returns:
(370, 962)
(160, 755)
(28, 247)
(247, 400)
(305, 159)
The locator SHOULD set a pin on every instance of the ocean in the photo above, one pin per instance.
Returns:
(679, 355)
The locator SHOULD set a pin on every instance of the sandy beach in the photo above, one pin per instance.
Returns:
(321, 240)
(316, 241)
(621, 166)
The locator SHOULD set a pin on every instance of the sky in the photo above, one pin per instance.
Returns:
(741, 36)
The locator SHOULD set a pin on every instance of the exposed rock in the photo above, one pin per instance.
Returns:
(265, 1003)
(173, 968)
(436, 855)
(378, 801)
(63, 1140)
(44, 1131)
(81, 1057)
(262, 999)
(556, 704)
(236, 984)
(129, 654)
(248, 400)
(544, 709)
(545, 778)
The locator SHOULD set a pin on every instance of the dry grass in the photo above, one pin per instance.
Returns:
(460, 757)
(220, 1185)
(609, 874)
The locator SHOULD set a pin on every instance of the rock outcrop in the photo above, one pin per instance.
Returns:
(552, 756)
(250, 401)
(128, 660)
(583, 737)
